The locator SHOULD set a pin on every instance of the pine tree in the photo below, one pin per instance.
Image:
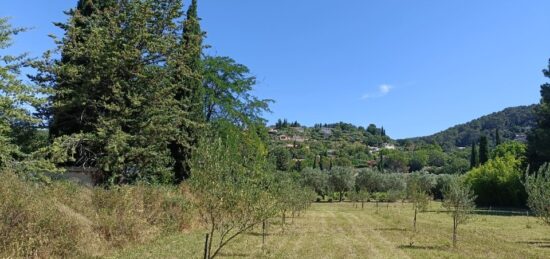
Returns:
(483, 150)
(474, 157)
(538, 151)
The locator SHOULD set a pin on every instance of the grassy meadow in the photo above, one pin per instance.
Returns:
(340, 230)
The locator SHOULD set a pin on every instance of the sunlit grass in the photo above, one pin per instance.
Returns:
(339, 230)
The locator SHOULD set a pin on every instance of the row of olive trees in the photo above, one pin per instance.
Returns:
(386, 186)
(234, 188)
(418, 188)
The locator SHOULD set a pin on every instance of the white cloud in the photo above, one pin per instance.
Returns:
(383, 90)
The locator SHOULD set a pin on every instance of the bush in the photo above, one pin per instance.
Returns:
(498, 182)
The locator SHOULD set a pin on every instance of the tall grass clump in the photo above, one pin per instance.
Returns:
(63, 219)
(31, 226)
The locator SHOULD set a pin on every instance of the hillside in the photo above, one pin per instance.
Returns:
(513, 124)
(339, 144)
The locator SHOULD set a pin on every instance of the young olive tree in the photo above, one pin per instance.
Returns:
(229, 187)
(537, 186)
(458, 199)
(418, 195)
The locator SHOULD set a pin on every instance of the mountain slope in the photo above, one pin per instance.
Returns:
(512, 123)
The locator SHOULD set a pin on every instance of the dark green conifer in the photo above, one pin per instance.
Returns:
(473, 156)
(483, 150)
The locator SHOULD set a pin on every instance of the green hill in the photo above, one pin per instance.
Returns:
(513, 124)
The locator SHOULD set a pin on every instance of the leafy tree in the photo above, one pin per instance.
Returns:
(513, 148)
(455, 165)
(372, 129)
(342, 179)
(417, 192)
(281, 157)
(483, 150)
(418, 160)
(459, 201)
(316, 180)
(498, 182)
(233, 192)
(537, 186)
(228, 87)
(539, 138)
(16, 98)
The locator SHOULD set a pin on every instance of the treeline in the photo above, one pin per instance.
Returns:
(510, 122)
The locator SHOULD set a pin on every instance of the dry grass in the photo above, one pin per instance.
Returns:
(67, 220)
(340, 230)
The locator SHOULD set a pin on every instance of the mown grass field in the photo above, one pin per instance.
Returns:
(339, 230)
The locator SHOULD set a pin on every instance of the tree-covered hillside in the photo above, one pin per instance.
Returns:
(511, 123)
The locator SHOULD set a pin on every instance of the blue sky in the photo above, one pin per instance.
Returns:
(415, 67)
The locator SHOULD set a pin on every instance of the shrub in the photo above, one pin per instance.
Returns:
(498, 182)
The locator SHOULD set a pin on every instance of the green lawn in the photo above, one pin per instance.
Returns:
(338, 230)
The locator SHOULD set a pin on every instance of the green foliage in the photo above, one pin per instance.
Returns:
(537, 186)
(21, 148)
(498, 182)
(228, 87)
(281, 158)
(418, 186)
(483, 150)
(316, 180)
(234, 188)
(513, 148)
(375, 181)
(510, 121)
(539, 137)
(459, 201)
(132, 93)
(395, 161)
(342, 179)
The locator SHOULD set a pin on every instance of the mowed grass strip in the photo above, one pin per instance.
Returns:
(339, 230)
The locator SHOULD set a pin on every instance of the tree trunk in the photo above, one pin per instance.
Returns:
(341, 196)
(414, 221)
(362, 204)
(454, 231)
(263, 234)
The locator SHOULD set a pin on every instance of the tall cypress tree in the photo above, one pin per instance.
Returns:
(189, 94)
(497, 137)
(483, 150)
(473, 156)
(538, 151)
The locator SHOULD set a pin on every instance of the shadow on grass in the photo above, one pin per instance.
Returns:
(258, 234)
(543, 243)
(233, 255)
(417, 247)
(391, 229)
